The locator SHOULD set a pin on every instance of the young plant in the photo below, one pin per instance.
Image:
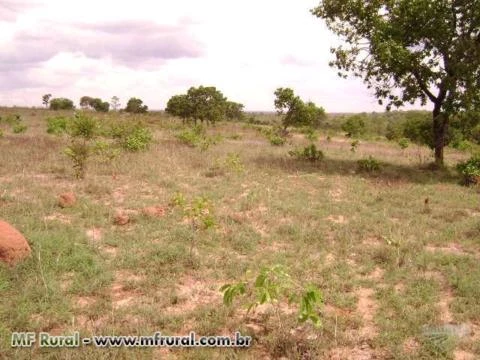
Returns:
(272, 286)
(354, 145)
(82, 131)
(198, 212)
(234, 163)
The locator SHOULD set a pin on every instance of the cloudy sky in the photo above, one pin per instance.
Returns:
(155, 49)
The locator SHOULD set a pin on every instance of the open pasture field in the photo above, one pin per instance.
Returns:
(393, 252)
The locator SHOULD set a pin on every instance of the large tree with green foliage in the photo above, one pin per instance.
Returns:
(409, 50)
(61, 104)
(206, 103)
(203, 103)
(135, 106)
(96, 104)
(295, 111)
(179, 106)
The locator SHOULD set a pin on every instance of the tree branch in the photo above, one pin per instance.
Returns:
(424, 86)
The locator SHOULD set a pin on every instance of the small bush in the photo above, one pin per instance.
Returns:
(83, 126)
(403, 143)
(233, 162)
(196, 137)
(354, 145)
(138, 140)
(368, 165)
(19, 128)
(57, 125)
(277, 140)
(79, 153)
(309, 153)
(470, 170)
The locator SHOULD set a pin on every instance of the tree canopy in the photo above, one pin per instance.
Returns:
(203, 103)
(61, 104)
(409, 50)
(135, 105)
(96, 104)
(295, 111)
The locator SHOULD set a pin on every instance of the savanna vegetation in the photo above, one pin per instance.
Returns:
(338, 253)
(321, 236)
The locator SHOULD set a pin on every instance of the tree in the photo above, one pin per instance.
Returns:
(354, 126)
(61, 104)
(409, 50)
(86, 102)
(206, 104)
(135, 106)
(46, 99)
(115, 103)
(234, 111)
(295, 111)
(178, 105)
(99, 105)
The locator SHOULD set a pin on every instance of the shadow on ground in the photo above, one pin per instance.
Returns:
(388, 173)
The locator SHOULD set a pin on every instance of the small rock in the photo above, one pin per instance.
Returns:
(154, 211)
(13, 246)
(67, 200)
(121, 219)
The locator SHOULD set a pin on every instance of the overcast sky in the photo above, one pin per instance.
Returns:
(155, 49)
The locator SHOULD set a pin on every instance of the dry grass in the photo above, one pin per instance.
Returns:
(386, 266)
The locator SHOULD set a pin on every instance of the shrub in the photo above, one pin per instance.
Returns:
(82, 130)
(354, 145)
(57, 125)
(19, 128)
(309, 153)
(233, 162)
(83, 126)
(470, 170)
(138, 140)
(368, 165)
(196, 137)
(277, 140)
(79, 153)
(403, 143)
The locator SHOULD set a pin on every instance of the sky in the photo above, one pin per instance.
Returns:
(156, 49)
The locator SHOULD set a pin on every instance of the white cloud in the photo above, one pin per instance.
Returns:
(155, 49)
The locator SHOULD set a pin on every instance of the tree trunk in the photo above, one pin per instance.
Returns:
(440, 127)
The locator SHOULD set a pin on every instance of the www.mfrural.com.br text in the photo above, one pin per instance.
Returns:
(46, 340)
